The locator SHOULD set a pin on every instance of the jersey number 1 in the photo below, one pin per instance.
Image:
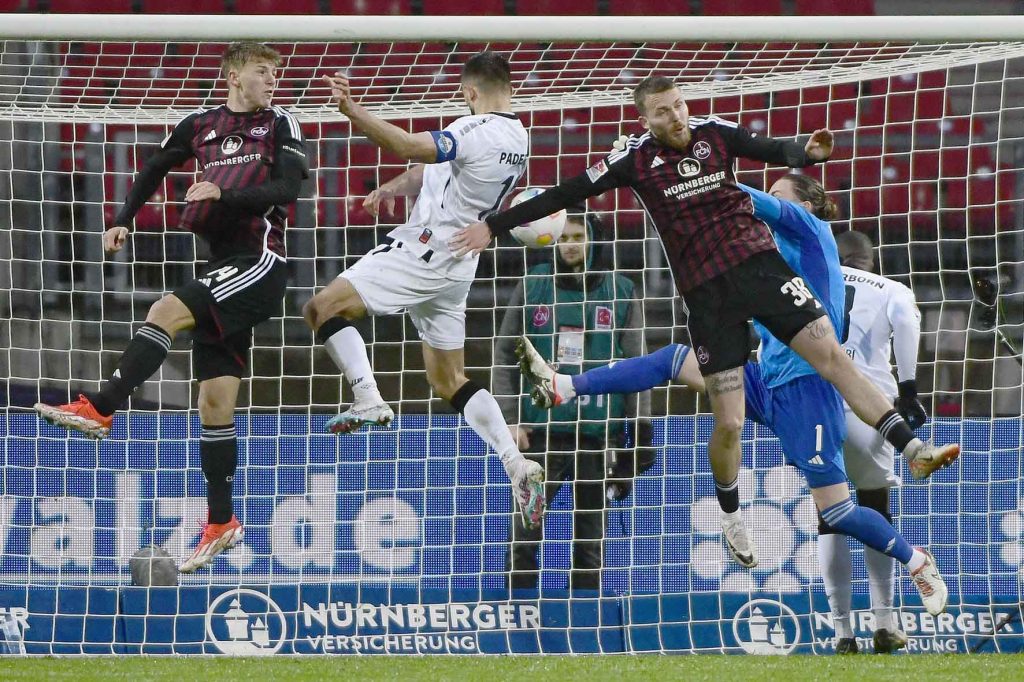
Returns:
(506, 185)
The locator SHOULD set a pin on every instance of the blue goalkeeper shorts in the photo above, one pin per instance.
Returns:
(808, 416)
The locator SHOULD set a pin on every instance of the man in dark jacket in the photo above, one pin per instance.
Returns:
(578, 314)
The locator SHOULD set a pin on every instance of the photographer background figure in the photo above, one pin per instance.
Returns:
(578, 314)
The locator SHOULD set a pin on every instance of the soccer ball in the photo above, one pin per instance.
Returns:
(541, 232)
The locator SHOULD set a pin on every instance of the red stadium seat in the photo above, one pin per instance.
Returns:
(278, 7)
(90, 6)
(836, 7)
(464, 7)
(183, 7)
(397, 7)
(649, 8)
(742, 7)
(555, 7)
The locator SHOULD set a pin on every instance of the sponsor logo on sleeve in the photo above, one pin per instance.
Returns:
(597, 170)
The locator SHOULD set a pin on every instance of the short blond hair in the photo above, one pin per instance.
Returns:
(239, 54)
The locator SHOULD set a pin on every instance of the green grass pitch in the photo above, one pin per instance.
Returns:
(650, 668)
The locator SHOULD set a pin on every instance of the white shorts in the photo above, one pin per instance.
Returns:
(868, 456)
(391, 279)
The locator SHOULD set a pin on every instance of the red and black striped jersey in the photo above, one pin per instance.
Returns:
(706, 223)
(241, 153)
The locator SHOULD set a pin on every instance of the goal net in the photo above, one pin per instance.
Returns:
(395, 540)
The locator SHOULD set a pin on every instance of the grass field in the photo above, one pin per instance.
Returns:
(863, 668)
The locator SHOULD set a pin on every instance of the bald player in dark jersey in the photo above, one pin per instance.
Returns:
(253, 163)
(726, 267)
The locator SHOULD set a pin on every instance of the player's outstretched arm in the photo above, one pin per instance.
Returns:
(598, 179)
(408, 184)
(905, 319)
(420, 147)
(766, 207)
(790, 153)
(174, 151)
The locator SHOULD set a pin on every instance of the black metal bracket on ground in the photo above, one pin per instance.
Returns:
(1006, 620)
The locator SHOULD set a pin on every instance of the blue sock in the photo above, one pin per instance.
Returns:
(633, 375)
(869, 527)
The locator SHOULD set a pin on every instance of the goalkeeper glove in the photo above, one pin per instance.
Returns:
(619, 144)
(909, 407)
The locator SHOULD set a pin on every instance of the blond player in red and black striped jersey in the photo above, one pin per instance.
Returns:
(726, 268)
(252, 161)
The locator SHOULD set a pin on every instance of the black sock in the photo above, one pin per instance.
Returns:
(895, 430)
(141, 359)
(728, 495)
(219, 454)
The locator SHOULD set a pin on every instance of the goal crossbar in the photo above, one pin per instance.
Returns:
(451, 28)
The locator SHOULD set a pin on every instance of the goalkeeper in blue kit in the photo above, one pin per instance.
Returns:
(783, 392)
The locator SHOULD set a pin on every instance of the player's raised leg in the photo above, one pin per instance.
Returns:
(446, 373)
(644, 372)
(218, 451)
(808, 416)
(631, 375)
(330, 314)
(93, 414)
(817, 344)
(838, 510)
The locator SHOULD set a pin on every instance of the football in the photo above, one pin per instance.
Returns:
(541, 232)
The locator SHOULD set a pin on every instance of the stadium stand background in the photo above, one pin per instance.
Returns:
(883, 112)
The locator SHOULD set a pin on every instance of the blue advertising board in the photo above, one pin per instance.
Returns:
(394, 541)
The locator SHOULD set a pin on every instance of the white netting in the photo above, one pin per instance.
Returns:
(163, 82)
(929, 159)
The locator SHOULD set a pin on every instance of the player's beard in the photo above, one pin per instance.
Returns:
(679, 144)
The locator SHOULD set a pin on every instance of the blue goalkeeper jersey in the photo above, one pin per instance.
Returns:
(807, 245)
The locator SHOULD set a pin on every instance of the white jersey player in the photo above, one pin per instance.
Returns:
(882, 321)
(466, 172)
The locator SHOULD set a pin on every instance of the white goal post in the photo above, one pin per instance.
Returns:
(394, 541)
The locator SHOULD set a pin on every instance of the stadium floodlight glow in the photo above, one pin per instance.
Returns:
(929, 163)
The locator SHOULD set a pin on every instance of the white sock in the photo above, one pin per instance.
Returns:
(880, 581)
(348, 350)
(917, 560)
(837, 574)
(562, 384)
(483, 414)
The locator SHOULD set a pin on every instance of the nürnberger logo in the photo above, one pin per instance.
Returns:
(231, 144)
(689, 167)
(244, 622)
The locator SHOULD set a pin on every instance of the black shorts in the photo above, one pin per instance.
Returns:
(233, 296)
(764, 288)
